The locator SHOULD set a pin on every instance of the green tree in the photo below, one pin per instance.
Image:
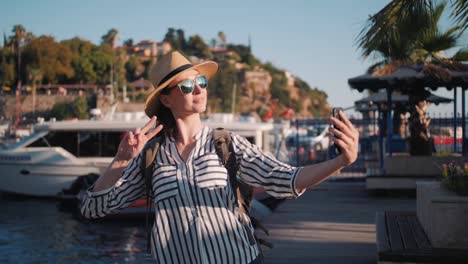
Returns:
(196, 46)
(80, 107)
(19, 32)
(222, 37)
(7, 67)
(407, 32)
(221, 86)
(61, 111)
(131, 69)
(181, 42)
(52, 59)
(128, 43)
(102, 57)
(110, 37)
(170, 37)
(148, 65)
(119, 67)
(76, 109)
(245, 54)
(301, 84)
(318, 107)
(279, 84)
(81, 61)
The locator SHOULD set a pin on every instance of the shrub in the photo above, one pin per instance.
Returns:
(455, 177)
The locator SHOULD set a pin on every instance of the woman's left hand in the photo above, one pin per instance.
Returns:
(346, 137)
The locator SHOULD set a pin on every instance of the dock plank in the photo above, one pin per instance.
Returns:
(332, 223)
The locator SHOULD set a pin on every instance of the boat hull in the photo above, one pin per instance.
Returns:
(40, 180)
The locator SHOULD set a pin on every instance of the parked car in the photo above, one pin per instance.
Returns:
(311, 146)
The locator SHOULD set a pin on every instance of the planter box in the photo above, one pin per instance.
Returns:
(443, 215)
(419, 166)
(403, 171)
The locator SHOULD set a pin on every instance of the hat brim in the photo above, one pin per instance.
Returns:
(152, 104)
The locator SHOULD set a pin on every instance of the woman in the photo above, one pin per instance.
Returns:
(196, 215)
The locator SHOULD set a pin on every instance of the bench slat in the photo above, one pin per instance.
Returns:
(383, 244)
(418, 232)
(394, 233)
(409, 241)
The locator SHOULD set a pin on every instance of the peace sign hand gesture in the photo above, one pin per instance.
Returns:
(134, 141)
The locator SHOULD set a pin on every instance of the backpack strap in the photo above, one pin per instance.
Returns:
(225, 151)
(149, 154)
(243, 192)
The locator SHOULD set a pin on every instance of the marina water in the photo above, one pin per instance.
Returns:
(44, 231)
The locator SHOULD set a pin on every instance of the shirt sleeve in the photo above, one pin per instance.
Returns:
(259, 169)
(129, 188)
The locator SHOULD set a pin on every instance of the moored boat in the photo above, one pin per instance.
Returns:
(57, 153)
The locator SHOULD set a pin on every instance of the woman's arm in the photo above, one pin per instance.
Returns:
(346, 137)
(122, 183)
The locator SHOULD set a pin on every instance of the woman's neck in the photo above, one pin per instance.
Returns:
(187, 128)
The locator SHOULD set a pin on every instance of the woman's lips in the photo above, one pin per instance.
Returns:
(198, 100)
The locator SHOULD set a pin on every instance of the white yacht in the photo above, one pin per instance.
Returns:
(57, 153)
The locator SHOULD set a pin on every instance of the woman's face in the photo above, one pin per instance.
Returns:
(185, 104)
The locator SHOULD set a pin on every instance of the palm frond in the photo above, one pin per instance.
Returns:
(437, 12)
(386, 24)
(461, 55)
(438, 42)
(460, 13)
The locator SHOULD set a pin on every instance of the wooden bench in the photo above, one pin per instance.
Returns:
(401, 239)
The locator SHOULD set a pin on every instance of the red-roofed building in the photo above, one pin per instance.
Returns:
(148, 48)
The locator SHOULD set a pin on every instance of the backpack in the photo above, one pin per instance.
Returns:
(225, 151)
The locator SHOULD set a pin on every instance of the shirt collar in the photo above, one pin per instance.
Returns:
(202, 132)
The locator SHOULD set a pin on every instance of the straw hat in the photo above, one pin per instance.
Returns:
(167, 69)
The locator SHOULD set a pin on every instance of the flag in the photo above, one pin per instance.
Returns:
(269, 114)
(287, 113)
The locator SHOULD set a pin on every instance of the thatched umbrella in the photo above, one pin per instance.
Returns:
(414, 80)
(370, 102)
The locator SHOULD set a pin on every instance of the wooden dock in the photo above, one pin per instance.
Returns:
(332, 223)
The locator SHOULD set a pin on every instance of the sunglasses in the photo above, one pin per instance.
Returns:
(187, 86)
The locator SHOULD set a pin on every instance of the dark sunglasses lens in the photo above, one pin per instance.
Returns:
(202, 82)
(186, 87)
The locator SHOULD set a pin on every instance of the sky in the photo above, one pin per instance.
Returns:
(314, 40)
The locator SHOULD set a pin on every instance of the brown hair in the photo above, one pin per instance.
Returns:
(166, 118)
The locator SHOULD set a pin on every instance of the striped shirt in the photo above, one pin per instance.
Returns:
(196, 216)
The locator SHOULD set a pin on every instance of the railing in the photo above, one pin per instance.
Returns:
(302, 146)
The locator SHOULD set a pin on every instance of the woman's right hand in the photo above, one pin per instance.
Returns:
(134, 141)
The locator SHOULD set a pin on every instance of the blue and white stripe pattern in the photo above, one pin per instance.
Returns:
(196, 216)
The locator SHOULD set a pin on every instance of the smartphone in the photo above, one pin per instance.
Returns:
(335, 149)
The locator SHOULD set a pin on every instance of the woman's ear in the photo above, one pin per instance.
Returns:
(164, 99)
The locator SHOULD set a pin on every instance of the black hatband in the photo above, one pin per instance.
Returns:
(174, 72)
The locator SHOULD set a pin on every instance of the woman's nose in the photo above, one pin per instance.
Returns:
(196, 89)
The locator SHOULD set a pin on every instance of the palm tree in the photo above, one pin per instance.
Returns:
(110, 37)
(407, 32)
(35, 76)
(19, 31)
(222, 37)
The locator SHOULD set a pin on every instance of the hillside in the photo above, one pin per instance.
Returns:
(243, 84)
